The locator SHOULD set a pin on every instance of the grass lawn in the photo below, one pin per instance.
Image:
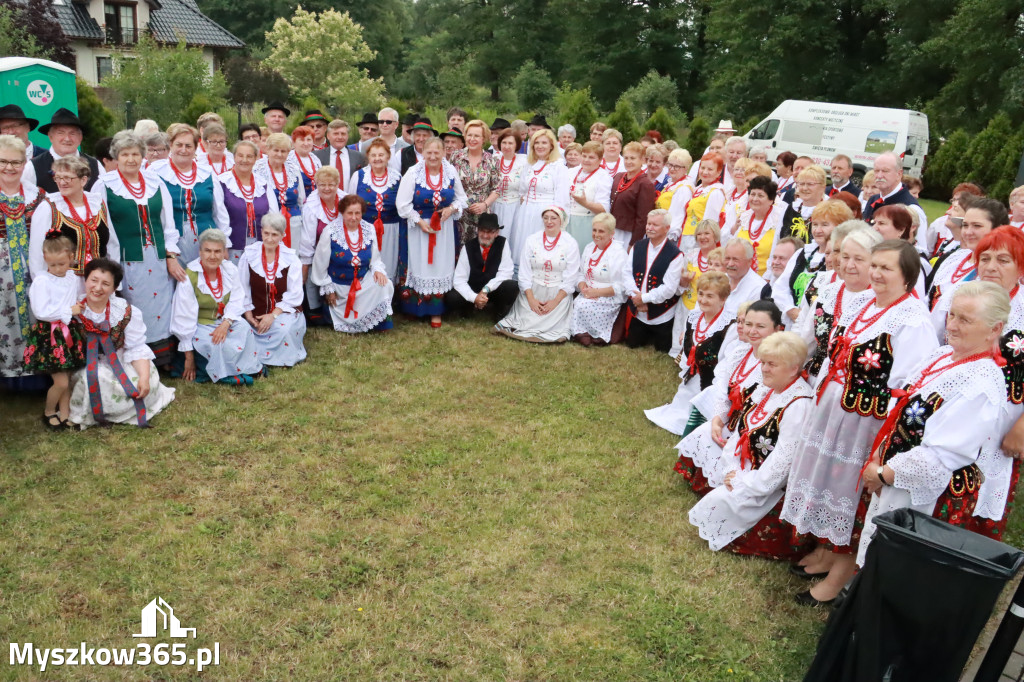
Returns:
(420, 505)
(933, 209)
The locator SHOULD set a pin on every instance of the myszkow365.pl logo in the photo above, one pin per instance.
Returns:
(158, 619)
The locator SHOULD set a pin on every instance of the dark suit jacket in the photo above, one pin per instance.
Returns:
(356, 160)
(849, 187)
(43, 164)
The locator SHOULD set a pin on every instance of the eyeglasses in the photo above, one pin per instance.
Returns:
(217, 143)
(676, 166)
(4, 163)
(807, 184)
(367, 129)
(387, 123)
(13, 128)
(64, 179)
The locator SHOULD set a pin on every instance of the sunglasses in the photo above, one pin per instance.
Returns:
(387, 123)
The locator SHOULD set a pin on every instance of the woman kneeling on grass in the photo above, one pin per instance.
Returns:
(207, 318)
(742, 515)
(350, 273)
(119, 383)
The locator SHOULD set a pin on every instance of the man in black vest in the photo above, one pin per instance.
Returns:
(484, 275)
(889, 183)
(65, 132)
(651, 281)
(421, 131)
(841, 169)
(13, 121)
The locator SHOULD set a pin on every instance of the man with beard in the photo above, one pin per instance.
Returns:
(484, 277)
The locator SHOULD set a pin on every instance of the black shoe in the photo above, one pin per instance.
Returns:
(801, 572)
(53, 422)
(805, 598)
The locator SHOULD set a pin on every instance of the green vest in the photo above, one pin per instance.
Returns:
(208, 305)
(126, 219)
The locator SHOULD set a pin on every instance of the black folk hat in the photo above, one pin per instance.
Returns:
(314, 115)
(368, 119)
(454, 132)
(487, 221)
(62, 117)
(13, 111)
(539, 120)
(423, 123)
(500, 124)
(278, 106)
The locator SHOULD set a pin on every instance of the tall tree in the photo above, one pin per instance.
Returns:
(981, 44)
(36, 19)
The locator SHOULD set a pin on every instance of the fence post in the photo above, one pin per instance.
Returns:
(239, 116)
(128, 115)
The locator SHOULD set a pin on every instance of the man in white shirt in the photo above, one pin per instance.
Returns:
(745, 283)
(387, 122)
(650, 279)
(347, 161)
(484, 274)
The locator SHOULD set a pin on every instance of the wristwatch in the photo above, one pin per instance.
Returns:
(486, 291)
(881, 474)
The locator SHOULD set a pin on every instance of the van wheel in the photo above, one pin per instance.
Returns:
(858, 176)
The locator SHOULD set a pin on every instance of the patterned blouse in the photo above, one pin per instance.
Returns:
(478, 182)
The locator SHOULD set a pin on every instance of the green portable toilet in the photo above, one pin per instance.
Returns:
(40, 87)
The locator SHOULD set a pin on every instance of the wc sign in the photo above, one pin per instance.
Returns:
(40, 93)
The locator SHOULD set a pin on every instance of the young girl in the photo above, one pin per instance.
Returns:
(56, 344)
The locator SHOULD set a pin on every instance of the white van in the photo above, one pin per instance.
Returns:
(821, 130)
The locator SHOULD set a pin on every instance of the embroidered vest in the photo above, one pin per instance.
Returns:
(481, 273)
(909, 434)
(655, 276)
(423, 199)
(865, 390)
(340, 267)
(705, 359)
(202, 206)
(259, 289)
(1011, 347)
(764, 436)
(132, 233)
(823, 337)
(90, 239)
(695, 211)
(389, 212)
(736, 418)
(794, 225)
(210, 309)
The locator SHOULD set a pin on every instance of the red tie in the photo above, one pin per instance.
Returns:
(340, 167)
(833, 192)
(484, 250)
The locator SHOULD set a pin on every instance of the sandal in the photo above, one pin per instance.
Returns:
(53, 422)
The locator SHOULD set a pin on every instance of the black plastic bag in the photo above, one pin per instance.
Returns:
(916, 608)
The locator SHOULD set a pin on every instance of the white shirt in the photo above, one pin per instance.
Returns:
(346, 166)
(185, 311)
(661, 293)
(595, 189)
(555, 267)
(506, 271)
(51, 297)
(747, 289)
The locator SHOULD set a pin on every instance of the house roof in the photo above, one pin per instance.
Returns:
(168, 19)
(75, 20)
(182, 18)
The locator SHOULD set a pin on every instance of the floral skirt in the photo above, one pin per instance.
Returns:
(48, 351)
(282, 344)
(693, 475)
(995, 529)
(414, 303)
(771, 538)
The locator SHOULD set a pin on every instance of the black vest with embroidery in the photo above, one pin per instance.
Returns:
(655, 276)
(1011, 347)
(705, 358)
(764, 437)
(794, 225)
(480, 273)
(823, 337)
(909, 434)
(865, 390)
(738, 417)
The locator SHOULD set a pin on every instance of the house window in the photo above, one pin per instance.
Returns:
(120, 20)
(104, 68)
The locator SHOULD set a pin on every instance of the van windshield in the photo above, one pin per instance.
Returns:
(765, 130)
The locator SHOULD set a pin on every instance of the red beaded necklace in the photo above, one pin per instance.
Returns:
(302, 167)
(223, 164)
(741, 373)
(247, 195)
(623, 185)
(554, 243)
(139, 193)
(436, 187)
(760, 230)
(860, 323)
(186, 180)
(354, 248)
(218, 290)
(281, 187)
(16, 212)
(962, 271)
(703, 262)
(576, 180)
(329, 213)
(511, 164)
(270, 272)
(74, 213)
(699, 335)
(612, 171)
(594, 262)
(379, 182)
